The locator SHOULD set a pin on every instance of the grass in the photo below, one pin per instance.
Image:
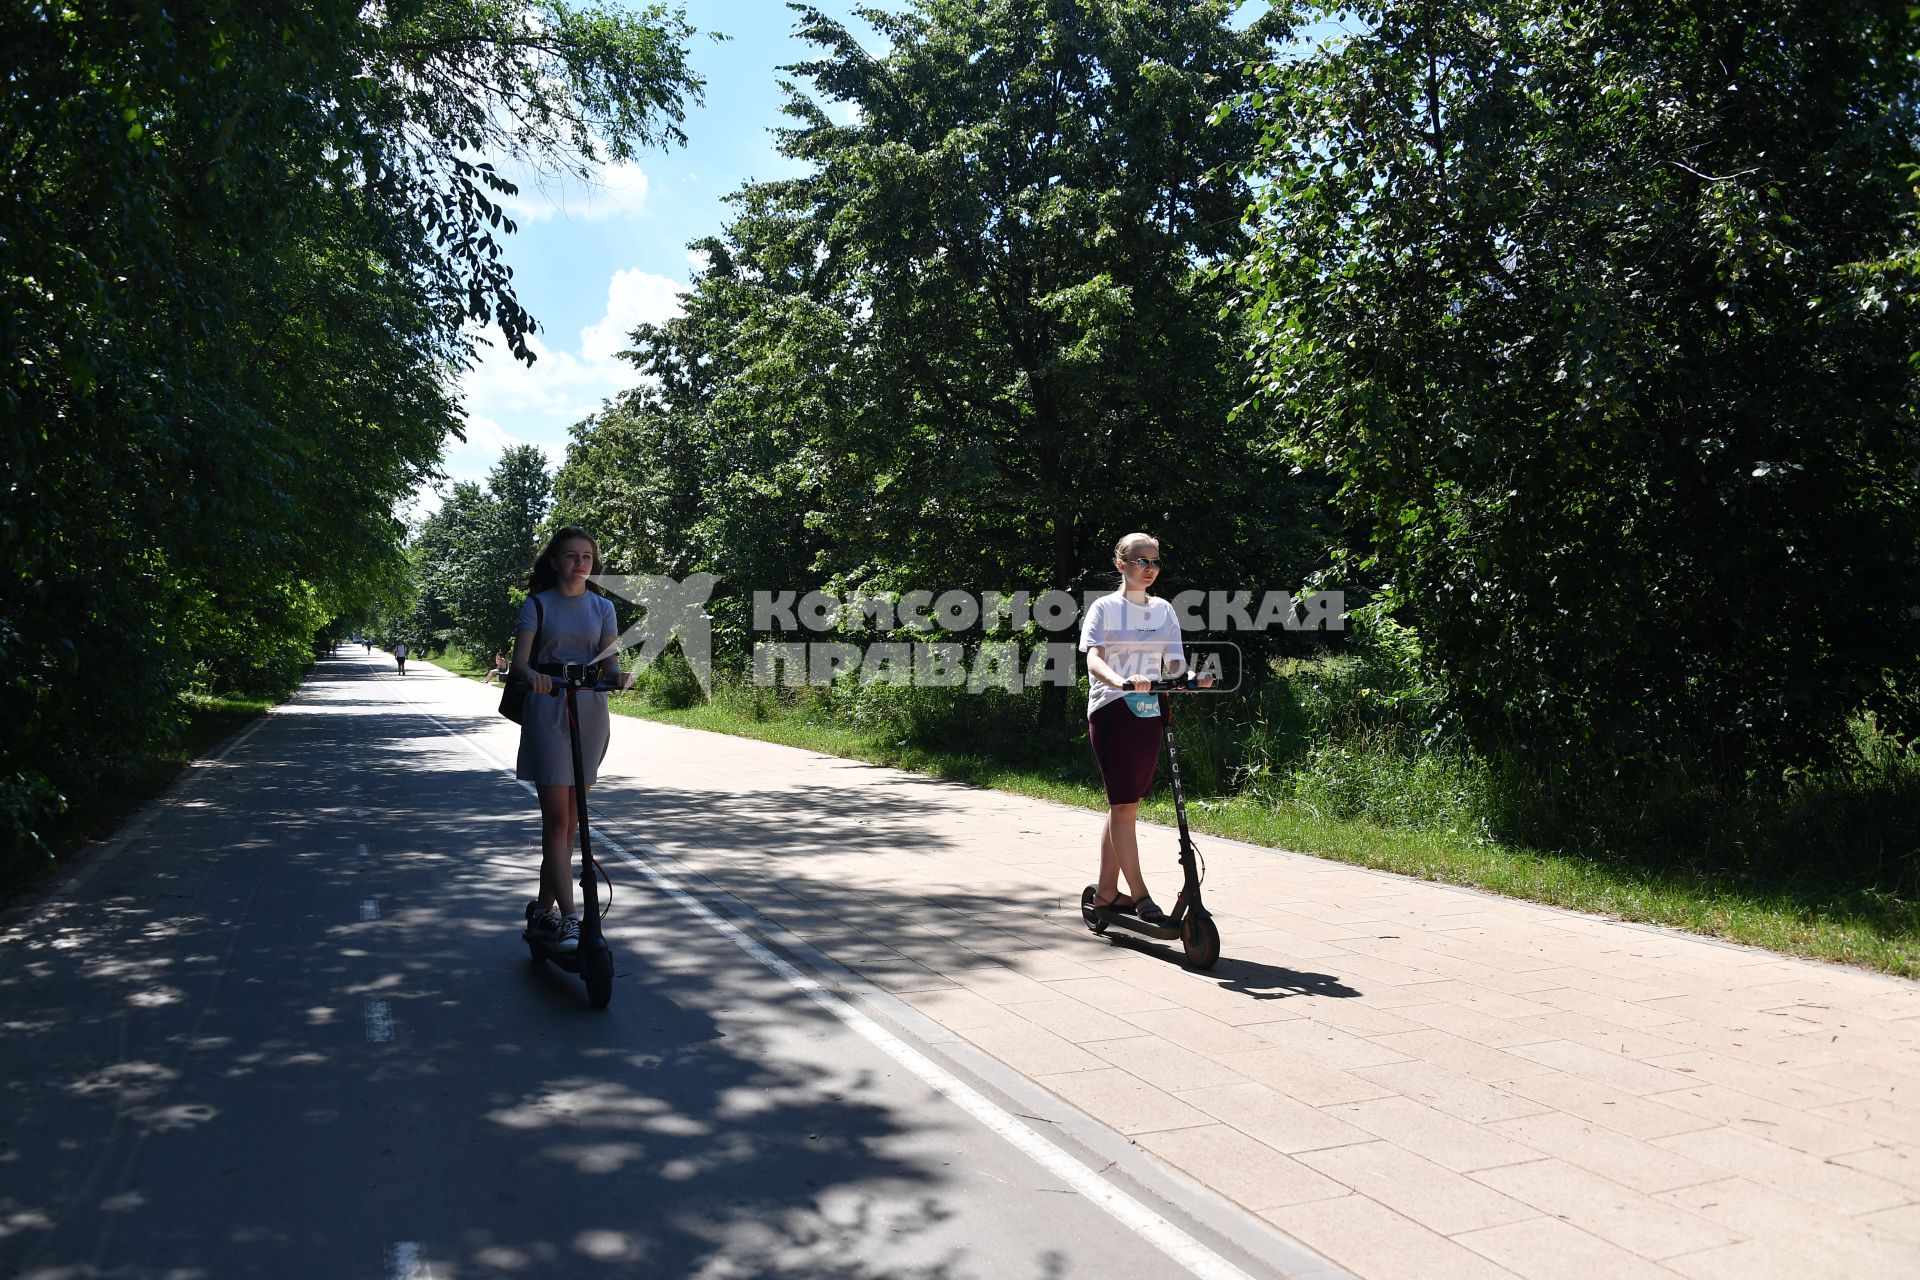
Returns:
(462, 663)
(1735, 873)
(1821, 920)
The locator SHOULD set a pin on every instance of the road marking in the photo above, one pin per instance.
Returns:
(406, 1262)
(370, 909)
(1130, 1212)
(379, 1022)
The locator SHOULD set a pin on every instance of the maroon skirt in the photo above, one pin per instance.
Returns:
(1127, 749)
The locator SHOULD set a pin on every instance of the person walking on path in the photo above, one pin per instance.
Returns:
(564, 620)
(496, 672)
(400, 656)
(1130, 638)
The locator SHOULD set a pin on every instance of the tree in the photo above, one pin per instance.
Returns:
(1566, 297)
(976, 340)
(237, 247)
(1017, 212)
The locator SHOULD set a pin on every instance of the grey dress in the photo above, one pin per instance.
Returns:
(571, 630)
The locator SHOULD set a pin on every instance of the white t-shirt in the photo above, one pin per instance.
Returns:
(1135, 639)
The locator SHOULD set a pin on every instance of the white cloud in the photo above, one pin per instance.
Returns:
(509, 403)
(633, 298)
(614, 191)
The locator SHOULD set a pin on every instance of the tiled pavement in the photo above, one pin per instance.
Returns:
(1409, 1079)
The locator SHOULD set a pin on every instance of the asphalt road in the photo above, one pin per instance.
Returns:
(288, 1028)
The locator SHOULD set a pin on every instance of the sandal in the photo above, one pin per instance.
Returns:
(1149, 912)
(1124, 906)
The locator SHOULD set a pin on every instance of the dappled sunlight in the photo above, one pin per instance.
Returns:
(784, 851)
(127, 1082)
(210, 1039)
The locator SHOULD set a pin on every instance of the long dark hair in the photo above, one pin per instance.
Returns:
(545, 576)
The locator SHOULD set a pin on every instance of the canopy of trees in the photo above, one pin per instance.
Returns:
(980, 338)
(1583, 332)
(1574, 302)
(471, 557)
(238, 246)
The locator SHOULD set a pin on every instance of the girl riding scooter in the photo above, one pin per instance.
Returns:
(1130, 638)
(572, 623)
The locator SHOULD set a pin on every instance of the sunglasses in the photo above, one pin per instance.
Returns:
(1144, 563)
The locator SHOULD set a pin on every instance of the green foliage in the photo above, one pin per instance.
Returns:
(237, 246)
(473, 555)
(1566, 298)
(971, 344)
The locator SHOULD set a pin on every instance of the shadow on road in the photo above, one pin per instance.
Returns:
(195, 1083)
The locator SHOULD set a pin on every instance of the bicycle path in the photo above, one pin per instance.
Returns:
(1409, 1079)
(1399, 1079)
(284, 1026)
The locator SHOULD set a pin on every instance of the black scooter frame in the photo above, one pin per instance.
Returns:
(1189, 921)
(594, 959)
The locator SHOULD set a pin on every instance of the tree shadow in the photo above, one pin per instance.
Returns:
(198, 1082)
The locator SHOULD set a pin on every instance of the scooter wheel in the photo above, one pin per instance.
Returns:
(597, 968)
(1201, 941)
(535, 954)
(1089, 913)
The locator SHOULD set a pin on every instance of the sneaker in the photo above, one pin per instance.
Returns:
(545, 923)
(568, 937)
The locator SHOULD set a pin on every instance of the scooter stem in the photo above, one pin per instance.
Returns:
(589, 877)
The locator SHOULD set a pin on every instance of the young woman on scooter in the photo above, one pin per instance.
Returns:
(1129, 637)
(574, 623)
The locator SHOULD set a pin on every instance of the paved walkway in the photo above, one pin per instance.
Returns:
(1410, 1080)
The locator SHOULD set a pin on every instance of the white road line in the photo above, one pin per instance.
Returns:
(1130, 1212)
(405, 1261)
(370, 909)
(379, 1022)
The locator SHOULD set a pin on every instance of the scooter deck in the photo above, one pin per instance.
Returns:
(568, 960)
(1134, 924)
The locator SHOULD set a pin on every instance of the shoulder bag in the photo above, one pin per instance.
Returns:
(513, 696)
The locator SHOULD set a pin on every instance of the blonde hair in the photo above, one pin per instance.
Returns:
(1126, 544)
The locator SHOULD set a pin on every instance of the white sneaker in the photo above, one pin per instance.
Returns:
(568, 937)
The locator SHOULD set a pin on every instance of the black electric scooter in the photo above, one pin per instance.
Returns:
(1189, 920)
(593, 961)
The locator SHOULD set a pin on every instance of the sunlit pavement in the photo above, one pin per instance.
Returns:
(1404, 1079)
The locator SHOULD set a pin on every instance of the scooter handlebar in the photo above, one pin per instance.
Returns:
(1186, 682)
(583, 677)
(599, 686)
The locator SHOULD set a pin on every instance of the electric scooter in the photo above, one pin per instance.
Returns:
(1189, 921)
(593, 961)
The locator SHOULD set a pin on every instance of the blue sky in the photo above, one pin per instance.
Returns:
(592, 262)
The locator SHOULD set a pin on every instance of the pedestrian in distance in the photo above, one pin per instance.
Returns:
(1131, 638)
(565, 619)
(497, 672)
(400, 656)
